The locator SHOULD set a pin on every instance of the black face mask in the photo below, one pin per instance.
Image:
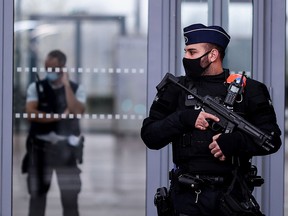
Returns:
(193, 67)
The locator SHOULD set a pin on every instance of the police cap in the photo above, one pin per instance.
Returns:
(199, 33)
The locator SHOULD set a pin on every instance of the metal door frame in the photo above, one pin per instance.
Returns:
(6, 85)
(269, 48)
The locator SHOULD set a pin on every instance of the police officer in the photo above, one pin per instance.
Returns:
(54, 143)
(199, 151)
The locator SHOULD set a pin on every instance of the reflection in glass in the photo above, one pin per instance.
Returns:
(106, 53)
(240, 29)
(54, 143)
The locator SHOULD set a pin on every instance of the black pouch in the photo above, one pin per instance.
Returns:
(25, 161)
(78, 151)
(240, 203)
(162, 202)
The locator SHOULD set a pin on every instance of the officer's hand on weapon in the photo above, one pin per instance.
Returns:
(215, 149)
(202, 120)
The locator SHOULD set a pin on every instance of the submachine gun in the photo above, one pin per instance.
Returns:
(228, 120)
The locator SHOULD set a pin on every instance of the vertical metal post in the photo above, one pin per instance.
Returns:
(161, 59)
(218, 13)
(6, 86)
(269, 67)
(1, 111)
(78, 47)
(153, 167)
(137, 24)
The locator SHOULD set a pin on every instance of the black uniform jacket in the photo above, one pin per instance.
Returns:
(54, 101)
(172, 118)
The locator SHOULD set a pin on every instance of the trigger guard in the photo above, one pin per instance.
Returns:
(213, 125)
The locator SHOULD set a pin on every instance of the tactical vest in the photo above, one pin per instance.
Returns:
(190, 151)
(54, 101)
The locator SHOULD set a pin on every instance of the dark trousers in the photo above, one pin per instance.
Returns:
(186, 202)
(69, 183)
(42, 163)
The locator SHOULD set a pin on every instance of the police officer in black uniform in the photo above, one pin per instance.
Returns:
(54, 143)
(199, 151)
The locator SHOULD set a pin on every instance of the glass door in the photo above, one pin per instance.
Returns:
(105, 46)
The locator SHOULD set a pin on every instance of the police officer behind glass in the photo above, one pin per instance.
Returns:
(197, 149)
(54, 143)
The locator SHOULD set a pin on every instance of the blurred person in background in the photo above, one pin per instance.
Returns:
(54, 142)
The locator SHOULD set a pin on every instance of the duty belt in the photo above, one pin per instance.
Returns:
(195, 181)
(198, 181)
